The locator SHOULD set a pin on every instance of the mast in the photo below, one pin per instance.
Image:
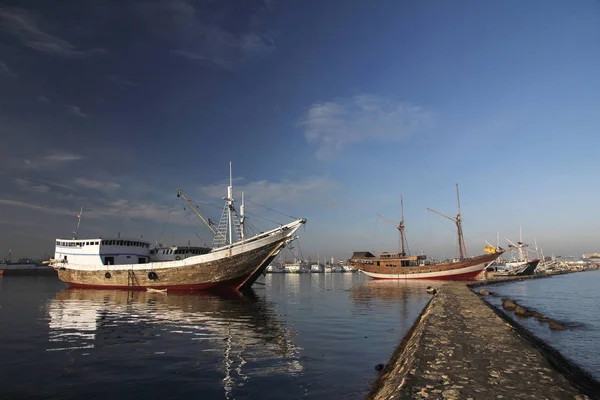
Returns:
(401, 226)
(242, 219)
(461, 238)
(462, 248)
(230, 205)
(402, 245)
(78, 222)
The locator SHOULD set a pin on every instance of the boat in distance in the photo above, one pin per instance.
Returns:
(234, 260)
(404, 266)
(396, 266)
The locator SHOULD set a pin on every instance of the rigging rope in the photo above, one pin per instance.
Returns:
(270, 209)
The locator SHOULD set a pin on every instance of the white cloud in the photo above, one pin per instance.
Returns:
(52, 160)
(113, 209)
(75, 110)
(43, 99)
(273, 193)
(98, 185)
(25, 27)
(36, 207)
(331, 126)
(64, 157)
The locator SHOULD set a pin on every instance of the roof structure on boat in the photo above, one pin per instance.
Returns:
(362, 254)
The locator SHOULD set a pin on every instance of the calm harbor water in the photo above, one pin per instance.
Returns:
(572, 300)
(315, 336)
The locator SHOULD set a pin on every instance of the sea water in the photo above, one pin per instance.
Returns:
(573, 300)
(315, 336)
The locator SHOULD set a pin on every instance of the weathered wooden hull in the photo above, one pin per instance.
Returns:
(461, 270)
(237, 266)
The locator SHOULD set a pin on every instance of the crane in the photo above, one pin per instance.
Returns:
(462, 248)
(400, 228)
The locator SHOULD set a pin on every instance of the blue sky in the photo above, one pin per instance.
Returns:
(328, 110)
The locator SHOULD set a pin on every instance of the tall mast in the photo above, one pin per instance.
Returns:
(242, 218)
(230, 205)
(78, 222)
(462, 249)
(401, 226)
(461, 239)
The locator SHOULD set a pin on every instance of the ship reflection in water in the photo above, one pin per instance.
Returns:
(240, 333)
(372, 294)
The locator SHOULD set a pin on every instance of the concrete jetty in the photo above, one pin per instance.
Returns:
(460, 348)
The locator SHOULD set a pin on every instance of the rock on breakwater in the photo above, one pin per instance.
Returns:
(459, 348)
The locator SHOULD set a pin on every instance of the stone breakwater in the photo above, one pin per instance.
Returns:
(461, 348)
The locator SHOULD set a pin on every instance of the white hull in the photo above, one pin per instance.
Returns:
(216, 255)
(292, 269)
(430, 275)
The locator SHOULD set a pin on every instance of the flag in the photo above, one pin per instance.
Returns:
(79, 213)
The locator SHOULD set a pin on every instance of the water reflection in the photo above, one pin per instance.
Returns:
(240, 329)
(393, 289)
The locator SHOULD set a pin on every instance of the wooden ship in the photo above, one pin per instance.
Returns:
(402, 265)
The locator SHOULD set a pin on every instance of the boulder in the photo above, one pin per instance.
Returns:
(508, 304)
(484, 292)
(521, 311)
(555, 326)
(535, 314)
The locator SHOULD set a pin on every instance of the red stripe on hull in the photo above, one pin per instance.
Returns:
(458, 277)
(231, 284)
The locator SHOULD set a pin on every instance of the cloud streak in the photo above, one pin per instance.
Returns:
(54, 160)
(332, 126)
(75, 110)
(25, 27)
(97, 185)
(5, 71)
(32, 187)
(276, 193)
(192, 35)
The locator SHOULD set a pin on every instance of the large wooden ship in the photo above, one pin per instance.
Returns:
(402, 265)
(234, 260)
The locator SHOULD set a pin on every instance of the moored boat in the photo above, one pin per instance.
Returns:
(401, 265)
(293, 268)
(23, 266)
(235, 261)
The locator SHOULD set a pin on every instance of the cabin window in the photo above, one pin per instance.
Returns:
(141, 260)
(378, 263)
(97, 243)
(109, 261)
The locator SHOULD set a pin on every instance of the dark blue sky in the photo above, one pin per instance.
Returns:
(328, 110)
